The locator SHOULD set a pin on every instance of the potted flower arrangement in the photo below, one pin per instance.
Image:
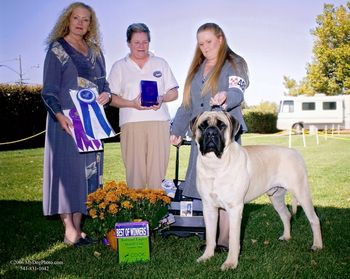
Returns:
(115, 202)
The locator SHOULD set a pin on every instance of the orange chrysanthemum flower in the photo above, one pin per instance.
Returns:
(113, 208)
(115, 202)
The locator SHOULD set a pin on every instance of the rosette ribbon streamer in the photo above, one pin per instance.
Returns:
(80, 136)
(86, 98)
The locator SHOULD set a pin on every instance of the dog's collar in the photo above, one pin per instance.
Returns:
(216, 108)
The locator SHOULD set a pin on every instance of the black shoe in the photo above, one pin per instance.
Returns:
(218, 248)
(90, 240)
(81, 242)
(221, 249)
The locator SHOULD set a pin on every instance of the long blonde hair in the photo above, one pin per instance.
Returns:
(224, 53)
(61, 28)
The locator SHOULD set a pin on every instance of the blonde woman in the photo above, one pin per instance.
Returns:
(217, 76)
(73, 61)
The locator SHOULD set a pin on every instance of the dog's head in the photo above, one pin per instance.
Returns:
(213, 131)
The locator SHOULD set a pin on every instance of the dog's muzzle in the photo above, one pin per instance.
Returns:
(212, 141)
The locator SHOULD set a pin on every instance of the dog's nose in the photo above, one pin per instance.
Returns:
(211, 132)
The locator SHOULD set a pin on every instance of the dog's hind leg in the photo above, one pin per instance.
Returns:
(277, 198)
(210, 214)
(305, 201)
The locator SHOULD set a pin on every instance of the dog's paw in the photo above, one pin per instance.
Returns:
(284, 238)
(204, 257)
(316, 248)
(229, 265)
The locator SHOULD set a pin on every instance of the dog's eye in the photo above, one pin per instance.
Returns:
(221, 125)
(203, 125)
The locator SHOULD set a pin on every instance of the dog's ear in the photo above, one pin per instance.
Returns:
(193, 125)
(235, 125)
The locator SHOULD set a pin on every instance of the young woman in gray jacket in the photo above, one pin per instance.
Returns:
(217, 76)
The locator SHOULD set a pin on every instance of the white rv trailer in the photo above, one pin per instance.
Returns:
(311, 112)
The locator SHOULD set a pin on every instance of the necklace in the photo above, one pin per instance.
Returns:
(206, 71)
(79, 45)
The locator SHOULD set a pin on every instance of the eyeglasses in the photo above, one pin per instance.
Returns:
(138, 44)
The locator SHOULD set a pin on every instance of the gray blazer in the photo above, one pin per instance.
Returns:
(199, 104)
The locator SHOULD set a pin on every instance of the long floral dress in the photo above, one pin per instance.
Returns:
(69, 176)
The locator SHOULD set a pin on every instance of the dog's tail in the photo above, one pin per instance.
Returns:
(294, 205)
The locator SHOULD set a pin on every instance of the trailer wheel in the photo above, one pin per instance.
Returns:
(298, 127)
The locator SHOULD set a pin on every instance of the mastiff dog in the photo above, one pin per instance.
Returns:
(230, 175)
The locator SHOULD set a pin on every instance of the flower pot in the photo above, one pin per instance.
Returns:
(112, 240)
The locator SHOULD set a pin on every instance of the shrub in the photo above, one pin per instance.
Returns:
(260, 122)
(23, 115)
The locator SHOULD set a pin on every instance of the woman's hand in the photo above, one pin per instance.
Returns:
(174, 140)
(136, 104)
(104, 98)
(65, 123)
(219, 99)
(160, 101)
(120, 102)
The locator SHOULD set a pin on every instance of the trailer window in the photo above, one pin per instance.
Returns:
(329, 105)
(308, 106)
(287, 106)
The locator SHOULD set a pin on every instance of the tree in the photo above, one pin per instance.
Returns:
(329, 71)
(263, 107)
(295, 88)
(291, 85)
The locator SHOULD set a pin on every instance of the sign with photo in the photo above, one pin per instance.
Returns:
(133, 241)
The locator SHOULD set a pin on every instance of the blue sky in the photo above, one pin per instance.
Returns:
(272, 35)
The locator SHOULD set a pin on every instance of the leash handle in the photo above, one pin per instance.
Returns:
(183, 142)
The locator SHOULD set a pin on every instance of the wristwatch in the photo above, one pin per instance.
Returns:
(109, 98)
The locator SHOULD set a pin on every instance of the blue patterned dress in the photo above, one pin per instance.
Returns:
(69, 176)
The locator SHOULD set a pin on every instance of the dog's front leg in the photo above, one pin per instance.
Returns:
(210, 214)
(235, 215)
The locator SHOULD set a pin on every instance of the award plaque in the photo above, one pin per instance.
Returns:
(149, 93)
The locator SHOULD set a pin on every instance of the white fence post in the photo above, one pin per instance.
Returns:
(290, 138)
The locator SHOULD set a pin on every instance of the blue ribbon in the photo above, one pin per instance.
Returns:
(87, 97)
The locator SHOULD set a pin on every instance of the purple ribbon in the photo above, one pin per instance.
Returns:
(79, 132)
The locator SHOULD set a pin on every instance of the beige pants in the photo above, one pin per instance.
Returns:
(145, 150)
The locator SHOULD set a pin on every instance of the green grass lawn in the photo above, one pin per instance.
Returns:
(31, 245)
